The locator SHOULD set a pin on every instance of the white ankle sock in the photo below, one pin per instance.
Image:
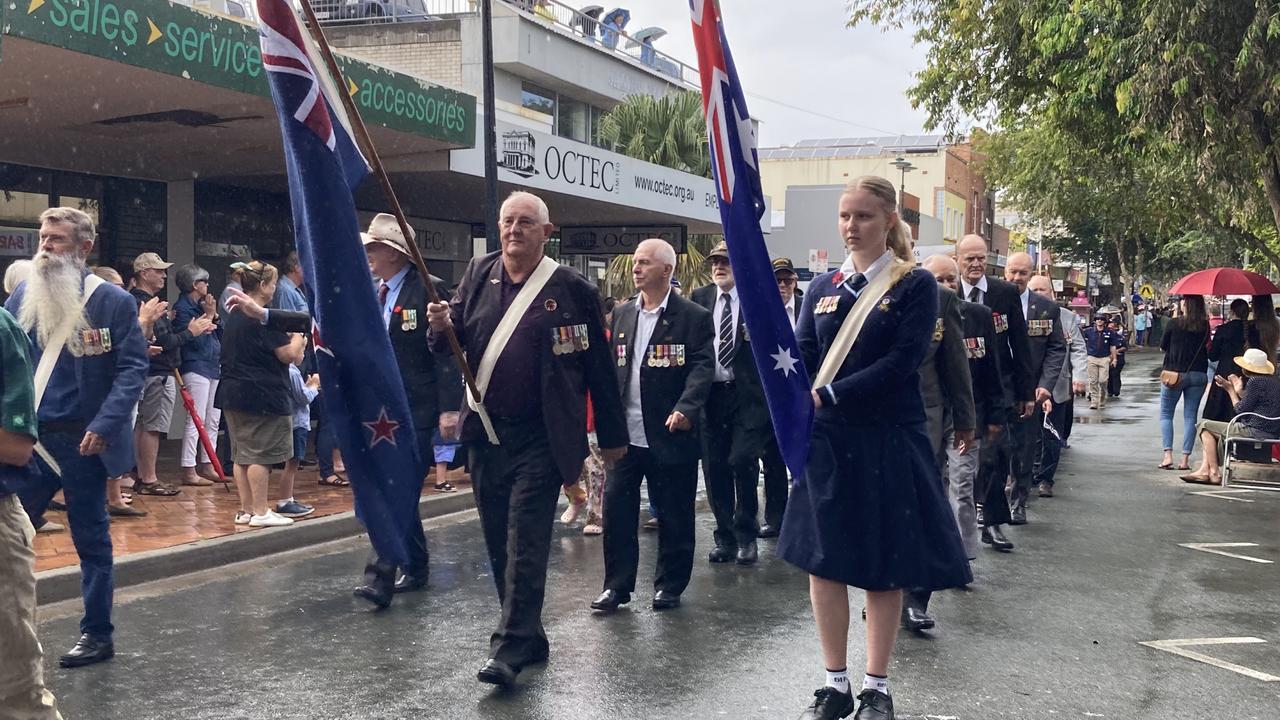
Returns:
(838, 679)
(875, 682)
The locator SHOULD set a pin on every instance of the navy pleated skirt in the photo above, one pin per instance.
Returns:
(871, 512)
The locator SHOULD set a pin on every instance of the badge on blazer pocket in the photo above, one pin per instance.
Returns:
(1039, 328)
(567, 339)
(937, 330)
(975, 347)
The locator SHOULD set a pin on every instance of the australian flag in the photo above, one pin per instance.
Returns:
(737, 174)
(363, 394)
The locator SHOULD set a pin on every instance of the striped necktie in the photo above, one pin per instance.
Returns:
(726, 352)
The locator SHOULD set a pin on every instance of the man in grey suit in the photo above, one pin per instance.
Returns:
(1048, 352)
(949, 417)
(1071, 382)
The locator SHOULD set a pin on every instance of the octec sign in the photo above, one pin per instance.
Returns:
(617, 239)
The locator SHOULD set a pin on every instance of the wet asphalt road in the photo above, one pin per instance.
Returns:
(1049, 631)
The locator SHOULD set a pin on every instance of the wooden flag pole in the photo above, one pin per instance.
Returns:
(375, 162)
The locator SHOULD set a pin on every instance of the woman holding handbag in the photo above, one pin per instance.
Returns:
(1184, 375)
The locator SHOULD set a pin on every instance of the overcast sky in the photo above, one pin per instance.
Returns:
(800, 52)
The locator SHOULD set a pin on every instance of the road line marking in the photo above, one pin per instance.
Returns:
(1209, 548)
(1179, 647)
(1223, 494)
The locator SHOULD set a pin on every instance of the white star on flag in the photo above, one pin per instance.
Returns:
(785, 362)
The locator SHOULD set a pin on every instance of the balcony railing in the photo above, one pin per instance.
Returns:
(554, 13)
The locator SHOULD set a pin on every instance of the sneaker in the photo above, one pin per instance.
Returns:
(51, 527)
(271, 519)
(294, 509)
(1046, 490)
(242, 517)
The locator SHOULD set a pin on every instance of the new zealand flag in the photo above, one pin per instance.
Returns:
(734, 162)
(363, 394)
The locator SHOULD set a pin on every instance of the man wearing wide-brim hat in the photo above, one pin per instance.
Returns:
(429, 385)
(1258, 392)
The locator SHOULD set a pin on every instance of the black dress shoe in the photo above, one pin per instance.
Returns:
(410, 583)
(915, 619)
(88, 650)
(874, 705)
(609, 600)
(721, 554)
(998, 540)
(379, 595)
(828, 704)
(496, 672)
(769, 531)
(664, 600)
(1018, 516)
(748, 554)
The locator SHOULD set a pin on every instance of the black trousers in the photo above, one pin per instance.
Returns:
(993, 469)
(1113, 380)
(1050, 448)
(1068, 419)
(1024, 445)
(517, 486)
(731, 468)
(672, 489)
(777, 484)
(379, 572)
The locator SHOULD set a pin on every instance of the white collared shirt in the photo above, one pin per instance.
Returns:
(871, 272)
(982, 289)
(646, 321)
(791, 311)
(393, 293)
(724, 374)
(1026, 304)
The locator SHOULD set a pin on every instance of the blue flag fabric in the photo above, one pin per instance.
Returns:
(360, 382)
(736, 167)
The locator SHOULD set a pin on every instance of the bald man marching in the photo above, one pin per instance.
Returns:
(1048, 351)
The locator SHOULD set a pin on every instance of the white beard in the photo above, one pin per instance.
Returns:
(52, 298)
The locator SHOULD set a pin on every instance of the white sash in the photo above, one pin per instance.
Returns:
(852, 325)
(498, 341)
(49, 357)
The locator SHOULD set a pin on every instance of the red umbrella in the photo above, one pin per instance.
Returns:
(1224, 281)
(190, 402)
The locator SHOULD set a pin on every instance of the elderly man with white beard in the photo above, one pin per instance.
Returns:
(85, 396)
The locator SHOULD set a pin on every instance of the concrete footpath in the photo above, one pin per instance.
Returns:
(1120, 601)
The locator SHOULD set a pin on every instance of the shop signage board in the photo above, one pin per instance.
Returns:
(18, 242)
(223, 51)
(617, 239)
(538, 160)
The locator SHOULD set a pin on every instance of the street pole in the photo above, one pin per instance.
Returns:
(490, 130)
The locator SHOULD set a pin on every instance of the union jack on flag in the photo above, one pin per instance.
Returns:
(732, 141)
(364, 398)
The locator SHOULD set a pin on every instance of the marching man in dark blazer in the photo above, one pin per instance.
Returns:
(662, 346)
(1013, 354)
(1048, 353)
(777, 483)
(533, 334)
(949, 420)
(737, 427)
(84, 412)
(430, 384)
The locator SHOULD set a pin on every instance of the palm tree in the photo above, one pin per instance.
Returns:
(668, 131)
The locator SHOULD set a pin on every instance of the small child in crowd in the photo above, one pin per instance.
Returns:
(301, 394)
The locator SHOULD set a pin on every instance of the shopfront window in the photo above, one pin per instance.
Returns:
(538, 99)
(596, 114)
(24, 194)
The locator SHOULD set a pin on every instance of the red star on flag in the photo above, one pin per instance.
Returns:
(383, 429)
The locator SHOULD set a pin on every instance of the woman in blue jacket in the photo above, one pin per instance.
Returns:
(199, 370)
(870, 510)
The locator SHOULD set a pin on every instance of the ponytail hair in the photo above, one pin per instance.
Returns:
(899, 237)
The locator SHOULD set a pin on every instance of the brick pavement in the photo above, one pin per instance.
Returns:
(198, 513)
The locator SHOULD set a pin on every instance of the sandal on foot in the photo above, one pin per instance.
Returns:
(334, 481)
(1198, 479)
(125, 511)
(197, 481)
(155, 488)
(592, 529)
(1165, 466)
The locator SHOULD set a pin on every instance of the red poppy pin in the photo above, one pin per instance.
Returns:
(396, 309)
(550, 305)
(837, 278)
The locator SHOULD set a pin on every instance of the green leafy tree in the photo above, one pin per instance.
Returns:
(668, 131)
